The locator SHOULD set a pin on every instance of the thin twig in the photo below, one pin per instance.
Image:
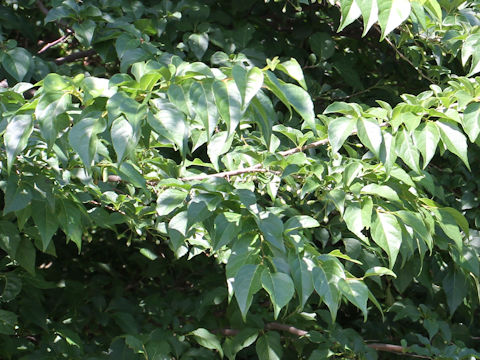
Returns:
(395, 349)
(75, 56)
(53, 43)
(42, 7)
(111, 208)
(393, 46)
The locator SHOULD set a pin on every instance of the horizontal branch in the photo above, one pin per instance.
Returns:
(288, 328)
(394, 349)
(225, 174)
(75, 56)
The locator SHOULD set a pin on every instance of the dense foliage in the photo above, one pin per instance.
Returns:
(200, 179)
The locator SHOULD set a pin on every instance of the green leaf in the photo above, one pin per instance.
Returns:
(177, 96)
(8, 321)
(455, 288)
(391, 14)
(301, 102)
(322, 45)
(280, 288)
(49, 107)
(356, 292)
(17, 62)
(471, 121)
(198, 43)
(387, 234)
(352, 172)
(350, 13)
(302, 278)
(388, 153)
(369, 10)
(121, 103)
(16, 137)
(247, 282)
(9, 238)
(337, 196)
(229, 103)
(454, 140)
(449, 225)
(265, 115)
(269, 347)
(25, 255)
(426, 138)
(207, 340)
(300, 222)
(415, 221)
(219, 144)
(83, 138)
(367, 207)
(338, 254)
(293, 69)
(381, 190)
(325, 279)
(169, 123)
(69, 217)
(45, 221)
(407, 150)
(459, 218)
(169, 200)
(12, 287)
(177, 230)
(339, 130)
(84, 31)
(370, 134)
(131, 173)
(248, 83)
(272, 229)
(379, 271)
(353, 219)
(17, 197)
(122, 137)
(201, 97)
(227, 226)
(434, 8)
(243, 339)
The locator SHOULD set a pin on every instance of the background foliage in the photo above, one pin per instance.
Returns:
(195, 179)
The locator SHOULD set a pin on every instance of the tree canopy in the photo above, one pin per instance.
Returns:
(204, 179)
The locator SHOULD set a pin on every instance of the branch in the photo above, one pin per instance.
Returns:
(394, 349)
(53, 43)
(226, 174)
(74, 56)
(404, 57)
(288, 328)
(42, 7)
(255, 168)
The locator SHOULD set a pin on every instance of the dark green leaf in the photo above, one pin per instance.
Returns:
(339, 130)
(16, 136)
(246, 283)
(83, 138)
(280, 288)
(207, 339)
(268, 346)
(387, 234)
(17, 62)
